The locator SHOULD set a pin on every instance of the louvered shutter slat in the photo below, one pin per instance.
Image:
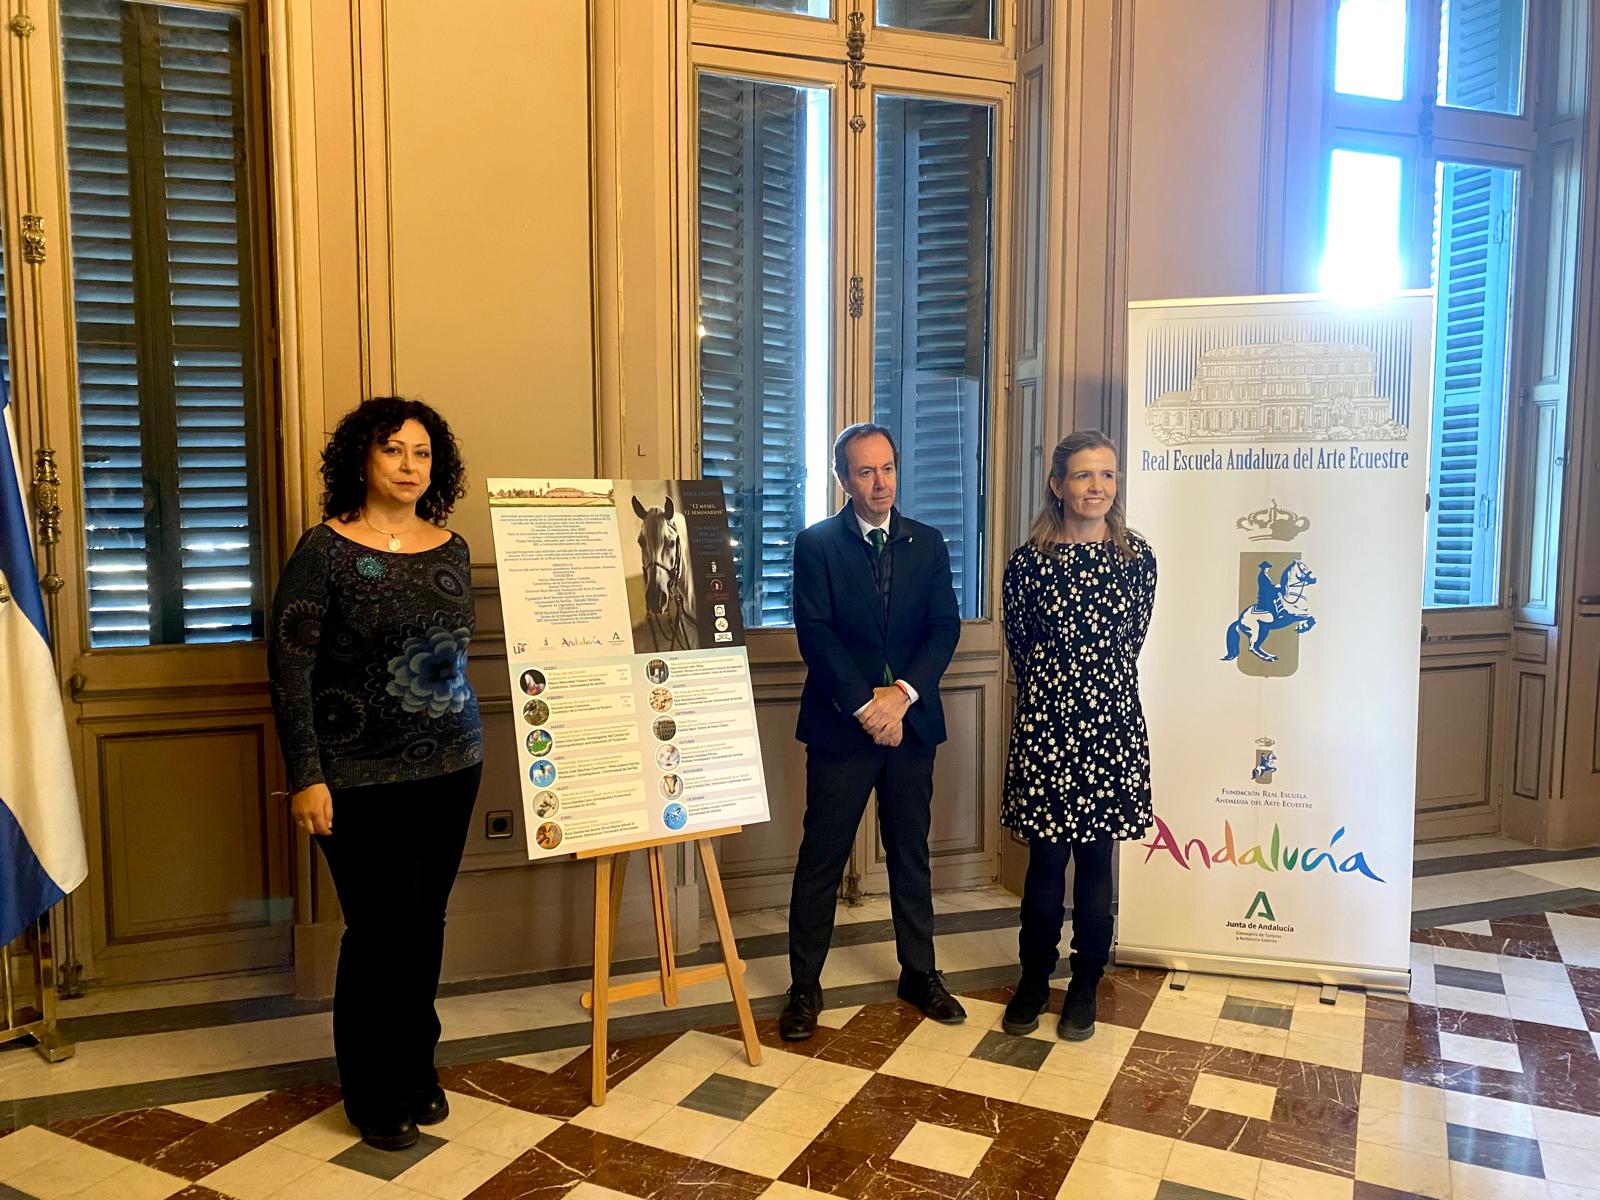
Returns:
(752, 229)
(1469, 382)
(930, 349)
(161, 279)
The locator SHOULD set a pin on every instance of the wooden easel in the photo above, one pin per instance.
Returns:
(610, 871)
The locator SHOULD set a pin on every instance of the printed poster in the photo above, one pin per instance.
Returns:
(1277, 459)
(631, 684)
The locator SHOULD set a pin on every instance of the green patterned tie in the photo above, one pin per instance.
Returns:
(880, 541)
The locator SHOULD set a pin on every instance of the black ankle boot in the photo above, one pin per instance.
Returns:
(1077, 1012)
(1030, 998)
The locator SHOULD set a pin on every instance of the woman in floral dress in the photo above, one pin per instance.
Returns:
(1078, 596)
(379, 727)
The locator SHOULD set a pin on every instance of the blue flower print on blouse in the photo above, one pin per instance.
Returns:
(430, 673)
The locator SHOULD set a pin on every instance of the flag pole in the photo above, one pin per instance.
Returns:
(36, 1019)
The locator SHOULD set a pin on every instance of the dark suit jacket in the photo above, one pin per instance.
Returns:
(846, 639)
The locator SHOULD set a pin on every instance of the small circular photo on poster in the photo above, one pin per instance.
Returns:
(536, 712)
(656, 670)
(667, 757)
(548, 836)
(661, 699)
(533, 681)
(674, 816)
(543, 773)
(539, 742)
(546, 804)
(671, 785)
(665, 729)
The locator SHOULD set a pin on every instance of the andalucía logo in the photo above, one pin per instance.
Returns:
(1260, 905)
(1274, 855)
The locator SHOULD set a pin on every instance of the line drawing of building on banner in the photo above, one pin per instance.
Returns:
(1279, 392)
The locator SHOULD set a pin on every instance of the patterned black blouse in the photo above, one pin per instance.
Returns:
(1079, 765)
(368, 658)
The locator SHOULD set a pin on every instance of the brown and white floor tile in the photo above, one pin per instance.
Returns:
(1483, 1082)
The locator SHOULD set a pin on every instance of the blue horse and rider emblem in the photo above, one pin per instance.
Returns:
(1280, 604)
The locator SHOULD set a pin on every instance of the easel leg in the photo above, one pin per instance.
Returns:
(602, 974)
(619, 875)
(730, 953)
(663, 912)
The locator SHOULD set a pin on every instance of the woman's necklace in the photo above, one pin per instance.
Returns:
(394, 538)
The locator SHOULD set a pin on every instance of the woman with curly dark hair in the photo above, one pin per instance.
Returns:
(379, 727)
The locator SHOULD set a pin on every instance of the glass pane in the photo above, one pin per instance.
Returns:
(765, 352)
(931, 317)
(1370, 49)
(959, 18)
(162, 269)
(1480, 54)
(805, 8)
(1475, 229)
(1361, 254)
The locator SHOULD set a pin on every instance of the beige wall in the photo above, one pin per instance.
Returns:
(439, 176)
(1200, 137)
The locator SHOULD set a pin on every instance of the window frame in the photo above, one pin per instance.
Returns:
(127, 666)
(800, 73)
(853, 194)
(921, 85)
(737, 27)
(1423, 132)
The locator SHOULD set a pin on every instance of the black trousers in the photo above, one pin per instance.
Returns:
(394, 852)
(1044, 895)
(837, 787)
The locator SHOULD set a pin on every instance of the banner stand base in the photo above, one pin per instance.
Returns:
(610, 872)
(1183, 961)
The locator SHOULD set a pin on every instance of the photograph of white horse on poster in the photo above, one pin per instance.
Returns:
(661, 588)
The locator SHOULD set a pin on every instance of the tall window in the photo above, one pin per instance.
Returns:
(161, 176)
(930, 378)
(1428, 145)
(765, 390)
(845, 227)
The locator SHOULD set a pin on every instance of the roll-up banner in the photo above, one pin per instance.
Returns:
(1277, 460)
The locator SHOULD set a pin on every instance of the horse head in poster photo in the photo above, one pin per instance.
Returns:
(1280, 604)
(668, 581)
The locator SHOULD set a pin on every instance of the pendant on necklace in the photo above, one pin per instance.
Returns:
(394, 543)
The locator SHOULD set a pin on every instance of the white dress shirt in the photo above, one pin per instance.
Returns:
(866, 528)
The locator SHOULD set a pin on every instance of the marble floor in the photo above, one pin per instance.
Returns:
(1484, 1082)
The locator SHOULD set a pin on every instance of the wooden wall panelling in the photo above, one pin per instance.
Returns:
(1457, 752)
(188, 842)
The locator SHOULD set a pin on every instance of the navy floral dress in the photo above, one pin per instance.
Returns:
(1079, 765)
(368, 659)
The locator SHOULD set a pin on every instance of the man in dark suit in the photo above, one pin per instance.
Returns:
(876, 615)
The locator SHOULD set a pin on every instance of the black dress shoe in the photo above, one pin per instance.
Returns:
(1031, 997)
(399, 1133)
(1077, 1013)
(928, 993)
(798, 1021)
(429, 1108)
